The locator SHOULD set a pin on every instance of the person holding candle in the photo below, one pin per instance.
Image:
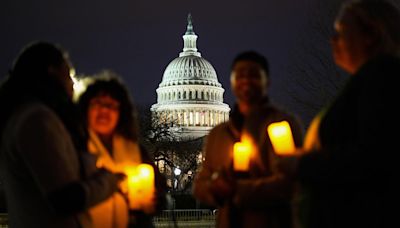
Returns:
(249, 192)
(44, 163)
(111, 120)
(348, 169)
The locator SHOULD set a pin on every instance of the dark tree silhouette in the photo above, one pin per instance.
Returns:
(163, 141)
(314, 78)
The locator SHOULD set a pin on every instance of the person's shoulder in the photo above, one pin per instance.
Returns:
(25, 110)
(379, 73)
(33, 110)
(390, 64)
(218, 128)
(34, 113)
(277, 109)
(389, 59)
(387, 63)
(278, 112)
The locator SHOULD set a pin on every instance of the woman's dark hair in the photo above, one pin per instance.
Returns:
(111, 84)
(254, 57)
(33, 62)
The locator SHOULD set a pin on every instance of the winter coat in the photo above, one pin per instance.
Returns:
(38, 158)
(115, 212)
(263, 199)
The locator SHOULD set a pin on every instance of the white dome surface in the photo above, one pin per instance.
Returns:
(190, 69)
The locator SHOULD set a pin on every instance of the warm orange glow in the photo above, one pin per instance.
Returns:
(242, 152)
(140, 186)
(146, 176)
(281, 138)
(311, 140)
(133, 188)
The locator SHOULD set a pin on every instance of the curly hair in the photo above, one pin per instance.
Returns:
(112, 85)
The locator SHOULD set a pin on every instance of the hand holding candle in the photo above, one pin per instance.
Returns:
(281, 138)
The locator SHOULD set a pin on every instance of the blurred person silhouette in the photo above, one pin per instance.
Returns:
(111, 119)
(348, 170)
(43, 155)
(262, 196)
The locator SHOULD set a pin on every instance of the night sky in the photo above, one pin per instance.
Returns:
(137, 39)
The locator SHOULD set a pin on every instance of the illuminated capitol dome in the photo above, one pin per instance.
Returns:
(189, 94)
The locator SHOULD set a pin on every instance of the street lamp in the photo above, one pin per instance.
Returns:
(177, 171)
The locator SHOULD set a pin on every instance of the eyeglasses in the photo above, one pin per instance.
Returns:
(102, 104)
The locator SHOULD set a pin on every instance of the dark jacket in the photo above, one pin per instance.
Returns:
(42, 147)
(40, 168)
(349, 179)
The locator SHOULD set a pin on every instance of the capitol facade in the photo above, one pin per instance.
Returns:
(189, 95)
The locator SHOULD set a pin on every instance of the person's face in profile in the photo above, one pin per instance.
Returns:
(103, 114)
(62, 75)
(248, 81)
(349, 44)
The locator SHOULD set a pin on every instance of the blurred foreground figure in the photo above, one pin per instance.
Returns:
(261, 195)
(113, 138)
(44, 163)
(348, 172)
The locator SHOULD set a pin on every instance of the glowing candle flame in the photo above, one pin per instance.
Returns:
(242, 152)
(281, 138)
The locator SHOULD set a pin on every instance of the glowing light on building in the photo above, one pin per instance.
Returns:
(189, 93)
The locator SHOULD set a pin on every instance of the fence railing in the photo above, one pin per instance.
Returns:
(185, 218)
(167, 218)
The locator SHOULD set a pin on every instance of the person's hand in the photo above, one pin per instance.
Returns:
(120, 177)
(121, 180)
(287, 164)
(116, 178)
(89, 163)
(222, 186)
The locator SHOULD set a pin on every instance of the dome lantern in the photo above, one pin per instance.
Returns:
(189, 40)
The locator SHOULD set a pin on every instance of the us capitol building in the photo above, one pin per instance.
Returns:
(189, 95)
